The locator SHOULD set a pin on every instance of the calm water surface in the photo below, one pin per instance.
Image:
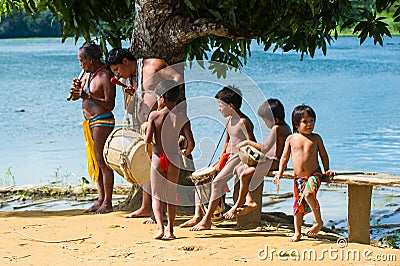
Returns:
(354, 91)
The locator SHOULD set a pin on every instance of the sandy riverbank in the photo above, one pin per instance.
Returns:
(44, 238)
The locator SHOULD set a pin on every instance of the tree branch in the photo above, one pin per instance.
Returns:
(183, 31)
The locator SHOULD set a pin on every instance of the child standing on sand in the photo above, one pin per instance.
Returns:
(164, 129)
(273, 148)
(305, 146)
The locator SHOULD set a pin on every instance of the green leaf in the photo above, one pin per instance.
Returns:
(201, 63)
(359, 27)
(215, 13)
(189, 4)
(363, 35)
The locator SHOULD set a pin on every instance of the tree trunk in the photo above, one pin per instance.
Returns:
(160, 32)
(134, 200)
(149, 40)
(151, 36)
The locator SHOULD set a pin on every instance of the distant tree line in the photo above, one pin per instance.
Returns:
(22, 26)
(45, 25)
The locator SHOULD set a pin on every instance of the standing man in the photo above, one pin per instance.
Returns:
(98, 100)
(147, 73)
(142, 77)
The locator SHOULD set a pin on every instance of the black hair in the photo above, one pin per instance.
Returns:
(277, 109)
(230, 94)
(169, 89)
(91, 51)
(116, 55)
(298, 114)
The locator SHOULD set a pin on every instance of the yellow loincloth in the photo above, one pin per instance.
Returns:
(93, 167)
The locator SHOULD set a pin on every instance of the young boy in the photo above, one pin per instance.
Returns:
(304, 145)
(165, 126)
(273, 148)
(238, 128)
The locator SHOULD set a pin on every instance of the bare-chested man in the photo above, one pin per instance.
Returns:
(98, 100)
(125, 65)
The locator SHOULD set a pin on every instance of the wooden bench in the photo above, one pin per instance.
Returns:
(359, 191)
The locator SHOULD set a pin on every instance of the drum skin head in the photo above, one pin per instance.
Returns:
(203, 175)
(126, 148)
(250, 155)
(204, 171)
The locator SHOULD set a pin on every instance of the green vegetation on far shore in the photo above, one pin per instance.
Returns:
(393, 27)
(43, 26)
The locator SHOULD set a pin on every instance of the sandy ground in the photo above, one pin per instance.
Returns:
(71, 238)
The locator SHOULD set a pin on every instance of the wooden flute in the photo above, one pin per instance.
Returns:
(80, 78)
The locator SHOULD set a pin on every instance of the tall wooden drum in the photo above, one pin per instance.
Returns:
(126, 153)
(202, 179)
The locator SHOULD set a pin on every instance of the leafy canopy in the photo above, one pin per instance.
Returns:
(106, 21)
(300, 25)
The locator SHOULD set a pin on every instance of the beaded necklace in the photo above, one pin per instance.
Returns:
(92, 75)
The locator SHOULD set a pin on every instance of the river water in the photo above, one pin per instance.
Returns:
(353, 89)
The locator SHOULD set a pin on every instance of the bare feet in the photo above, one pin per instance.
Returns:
(152, 219)
(169, 235)
(94, 207)
(141, 212)
(106, 207)
(231, 213)
(149, 220)
(202, 225)
(248, 207)
(160, 233)
(192, 222)
(313, 231)
(296, 237)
